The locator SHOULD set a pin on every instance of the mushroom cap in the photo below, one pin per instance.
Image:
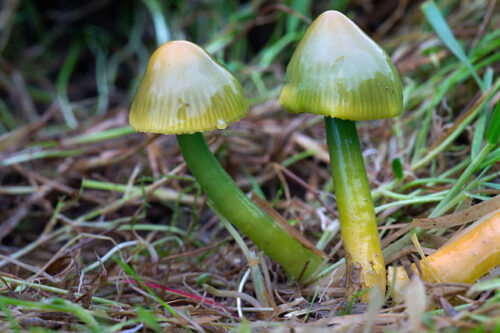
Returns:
(338, 71)
(185, 90)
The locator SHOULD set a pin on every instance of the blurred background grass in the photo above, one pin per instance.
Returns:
(103, 46)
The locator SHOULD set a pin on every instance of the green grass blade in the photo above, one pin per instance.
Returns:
(486, 285)
(483, 118)
(101, 75)
(6, 116)
(149, 319)
(492, 158)
(438, 23)
(59, 305)
(397, 168)
(297, 157)
(10, 318)
(301, 6)
(128, 270)
(62, 84)
(452, 193)
(35, 155)
(104, 135)
(160, 23)
(270, 53)
(493, 131)
(253, 182)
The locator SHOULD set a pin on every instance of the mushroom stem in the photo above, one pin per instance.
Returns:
(365, 266)
(297, 260)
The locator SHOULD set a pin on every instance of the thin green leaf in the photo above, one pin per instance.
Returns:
(493, 131)
(433, 15)
(128, 270)
(492, 158)
(270, 53)
(483, 118)
(486, 285)
(6, 116)
(62, 84)
(35, 155)
(59, 305)
(108, 134)
(160, 23)
(10, 318)
(149, 319)
(397, 168)
(301, 6)
(253, 182)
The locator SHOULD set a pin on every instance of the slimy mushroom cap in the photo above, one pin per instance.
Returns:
(338, 71)
(184, 90)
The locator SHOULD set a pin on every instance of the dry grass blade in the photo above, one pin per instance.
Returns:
(462, 217)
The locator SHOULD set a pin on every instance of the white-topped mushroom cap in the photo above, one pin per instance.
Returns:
(338, 71)
(185, 90)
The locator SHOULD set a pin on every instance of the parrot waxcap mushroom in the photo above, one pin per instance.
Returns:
(337, 71)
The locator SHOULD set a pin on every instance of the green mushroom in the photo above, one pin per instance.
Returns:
(337, 71)
(185, 91)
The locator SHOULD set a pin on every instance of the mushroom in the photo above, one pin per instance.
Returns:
(463, 259)
(185, 91)
(337, 71)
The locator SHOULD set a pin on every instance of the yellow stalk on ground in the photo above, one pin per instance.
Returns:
(463, 259)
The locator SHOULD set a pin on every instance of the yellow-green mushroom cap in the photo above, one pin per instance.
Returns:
(338, 71)
(184, 90)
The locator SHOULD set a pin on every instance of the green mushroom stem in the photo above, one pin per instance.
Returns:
(297, 260)
(364, 261)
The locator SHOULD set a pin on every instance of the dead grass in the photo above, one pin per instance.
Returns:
(104, 229)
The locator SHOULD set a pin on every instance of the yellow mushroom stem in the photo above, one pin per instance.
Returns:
(463, 259)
